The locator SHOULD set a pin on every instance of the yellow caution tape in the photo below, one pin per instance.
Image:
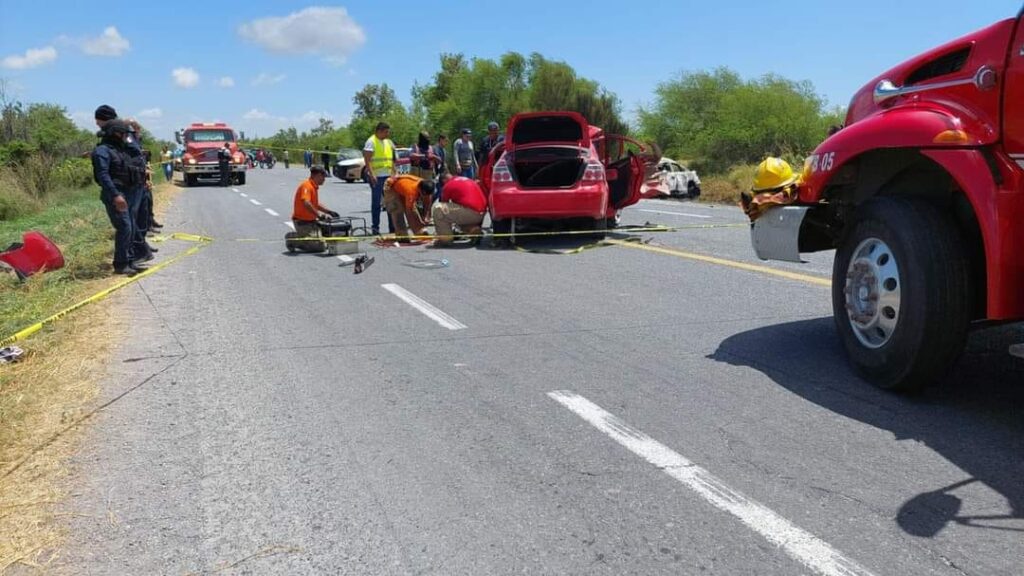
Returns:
(30, 330)
(393, 237)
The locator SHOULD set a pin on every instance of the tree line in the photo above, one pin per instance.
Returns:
(714, 120)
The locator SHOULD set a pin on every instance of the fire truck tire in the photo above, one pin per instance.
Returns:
(190, 180)
(901, 293)
(240, 179)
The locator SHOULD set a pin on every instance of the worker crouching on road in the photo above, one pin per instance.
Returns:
(401, 194)
(307, 208)
(462, 204)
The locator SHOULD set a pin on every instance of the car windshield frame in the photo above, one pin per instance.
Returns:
(349, 154)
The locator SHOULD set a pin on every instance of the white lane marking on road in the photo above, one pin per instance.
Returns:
(255, 201)
(678, 204)
(271, 212)
(244, 195)
(675, 213)
(235, 190)
(425, 308)
(290, 225)
(803, 546)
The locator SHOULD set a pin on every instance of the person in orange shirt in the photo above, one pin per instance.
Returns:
(307, 208)
(400, 196)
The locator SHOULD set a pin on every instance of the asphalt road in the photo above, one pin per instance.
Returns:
(616, 411)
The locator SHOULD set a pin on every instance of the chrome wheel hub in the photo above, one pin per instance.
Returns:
(872, 293)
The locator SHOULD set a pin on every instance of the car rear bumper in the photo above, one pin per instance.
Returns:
(581, 202)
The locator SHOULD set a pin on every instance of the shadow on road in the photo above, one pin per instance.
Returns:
(975, 418)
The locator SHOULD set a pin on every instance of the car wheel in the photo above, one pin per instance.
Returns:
(901, 293)
(692, 190)
(614, 221)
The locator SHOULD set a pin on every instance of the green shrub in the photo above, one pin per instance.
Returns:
(14, 202)
(73, 173)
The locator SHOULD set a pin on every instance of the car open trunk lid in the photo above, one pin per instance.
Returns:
(547, 128)
(547, 149)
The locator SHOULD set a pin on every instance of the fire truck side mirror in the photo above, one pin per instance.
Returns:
(177, 136)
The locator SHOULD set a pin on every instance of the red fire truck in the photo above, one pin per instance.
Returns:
(202, 141)
(922, 196)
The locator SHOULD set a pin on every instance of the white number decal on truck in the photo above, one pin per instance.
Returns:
(823, 162)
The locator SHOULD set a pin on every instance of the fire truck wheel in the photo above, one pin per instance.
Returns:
(901, 293)
(240, 179)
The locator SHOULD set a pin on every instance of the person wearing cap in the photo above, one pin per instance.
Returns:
(401, 194)
(465, 157)
(224, 164)
(462, 204)
(379, 156)
(104, 114)
(119, 173)
(492, 139)
(143, 220)
(306, 209)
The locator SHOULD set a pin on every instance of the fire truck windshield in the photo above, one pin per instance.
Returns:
(210, 136)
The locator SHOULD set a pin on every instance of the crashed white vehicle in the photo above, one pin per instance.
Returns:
(673, 179)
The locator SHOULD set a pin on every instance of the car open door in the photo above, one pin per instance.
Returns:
(625, 161)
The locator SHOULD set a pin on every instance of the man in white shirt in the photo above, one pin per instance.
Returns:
(465, 157)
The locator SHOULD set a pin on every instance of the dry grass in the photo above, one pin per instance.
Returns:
(41, 397)
(42, 400)
(726, 188)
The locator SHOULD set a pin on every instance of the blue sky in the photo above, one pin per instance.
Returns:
(291, 62)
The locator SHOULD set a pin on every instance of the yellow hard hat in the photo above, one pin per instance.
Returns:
(773, 173)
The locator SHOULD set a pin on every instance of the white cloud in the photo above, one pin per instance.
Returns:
(263, 121)
(33, 57)
(109, 43)
(265, 79)
(226, 82)
(185, 77)
(82, 119)
(319, 30)
(256, 114)
(151, 113)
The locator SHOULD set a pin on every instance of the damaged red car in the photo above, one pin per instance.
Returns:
(555, 168)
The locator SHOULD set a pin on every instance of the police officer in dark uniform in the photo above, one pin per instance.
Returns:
(223, 158)
(120, 174)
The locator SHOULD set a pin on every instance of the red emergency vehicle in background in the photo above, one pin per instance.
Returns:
(922, 196)
(202, 141)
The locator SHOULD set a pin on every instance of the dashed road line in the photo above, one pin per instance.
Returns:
(798, 543)
(271, 212)
(256, 202)
(244, 195)
(235, 190)
(424, 307)
(674, 213)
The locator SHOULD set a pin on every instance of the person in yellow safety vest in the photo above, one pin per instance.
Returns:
(379, 154)
(775, 184)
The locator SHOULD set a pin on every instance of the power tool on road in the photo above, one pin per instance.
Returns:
(340, 227)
